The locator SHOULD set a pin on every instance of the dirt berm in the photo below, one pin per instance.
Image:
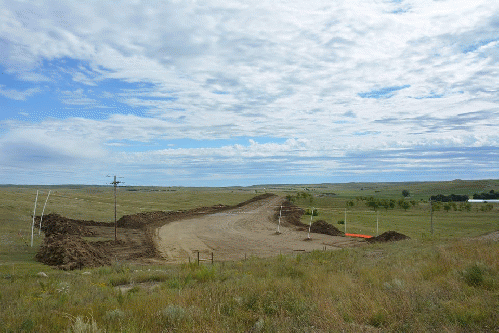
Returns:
(72, 244)
(389, 236)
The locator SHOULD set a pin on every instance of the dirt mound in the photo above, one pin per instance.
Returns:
(291, 214)
(322, 227)
(389, 236)
(56, 224)
(256, 198)
(65, 248)
(70, 252)
(140, 220)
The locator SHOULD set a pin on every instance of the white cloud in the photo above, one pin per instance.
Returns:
(282, 69)
(18, 95)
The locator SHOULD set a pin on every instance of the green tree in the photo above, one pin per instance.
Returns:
(373, 203)
(447, 207)
(435, 206)
(403, 204)
(405, 193)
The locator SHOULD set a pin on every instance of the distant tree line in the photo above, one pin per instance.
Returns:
(301, 195)
(376, 203)
(486, 196)
(449, 198)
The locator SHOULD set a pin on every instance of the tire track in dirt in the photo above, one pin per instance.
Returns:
(249, 230)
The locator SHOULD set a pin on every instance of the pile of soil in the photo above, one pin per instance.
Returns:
(55, 224)
(389, 236)
(64, 247)
(290, 214)
(254, 199)
(159, 218)
(322, 227)
(70, 252)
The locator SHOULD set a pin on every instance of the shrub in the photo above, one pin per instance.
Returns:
(315, 212)
(473, 276)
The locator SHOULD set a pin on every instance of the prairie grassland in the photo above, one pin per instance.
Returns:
(410, 286)
(414, 222)
(434, 283)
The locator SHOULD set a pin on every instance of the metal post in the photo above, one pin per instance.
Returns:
(43, 211)
(33, 224)
(377, 222)
(212, 258)
(310, 225)
(278, 225)
(345, 220)
(115, 226)
(198, 258)
(431, 217)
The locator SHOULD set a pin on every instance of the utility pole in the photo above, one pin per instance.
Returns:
(115, 183)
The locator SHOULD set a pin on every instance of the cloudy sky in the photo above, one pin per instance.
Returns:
(219, 93)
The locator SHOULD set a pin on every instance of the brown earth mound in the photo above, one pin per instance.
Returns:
(322, 227)
(56, 224)
(290, 214)
(65, 248)
(159, 218)
(70, 252)
(389, 236)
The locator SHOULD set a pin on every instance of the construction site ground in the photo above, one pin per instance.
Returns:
(230, 233)
(250, 230)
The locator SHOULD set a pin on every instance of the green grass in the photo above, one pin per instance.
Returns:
(414, 222)
(410, 286)
(430, 283)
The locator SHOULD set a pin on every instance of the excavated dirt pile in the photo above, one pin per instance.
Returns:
(322, 227)
(64, 247)
(70, 252)
(290, 214)
(159, 218)
(389, 236)
(56, 224)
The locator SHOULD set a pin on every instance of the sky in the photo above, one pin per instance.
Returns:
(225, 93)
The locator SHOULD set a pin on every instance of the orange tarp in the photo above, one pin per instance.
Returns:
(358, 235)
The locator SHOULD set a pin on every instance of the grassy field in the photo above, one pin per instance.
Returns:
(439, 282)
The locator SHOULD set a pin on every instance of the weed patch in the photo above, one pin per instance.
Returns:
(473, 275)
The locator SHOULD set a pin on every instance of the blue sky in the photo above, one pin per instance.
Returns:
(213, 93)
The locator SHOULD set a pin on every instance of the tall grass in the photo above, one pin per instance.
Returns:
(407, 286)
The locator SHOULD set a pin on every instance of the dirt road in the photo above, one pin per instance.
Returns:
(249, 230)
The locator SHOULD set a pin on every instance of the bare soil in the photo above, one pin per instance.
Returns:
(389, 236)
(230, 233)
(248, 230)
(493, 236)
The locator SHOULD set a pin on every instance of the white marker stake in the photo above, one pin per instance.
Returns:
(377, 222)
(280, 213)
(311, 217)
(345, 220)
(33, 224)
(40, 227)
